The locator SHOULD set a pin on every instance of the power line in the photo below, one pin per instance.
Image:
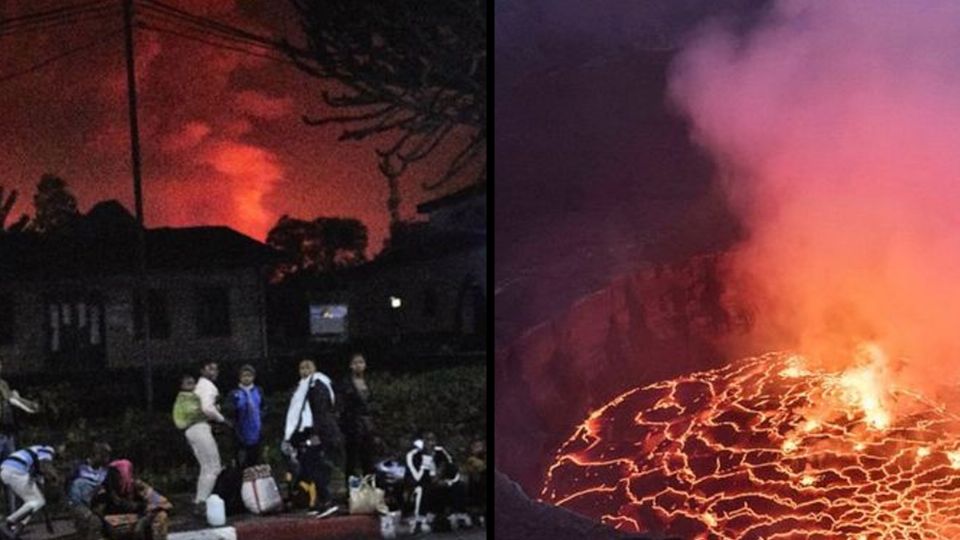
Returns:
(53, 12)
(51, 24)
(183, 25)
(208, 23)
(46, 62)
(184, 35)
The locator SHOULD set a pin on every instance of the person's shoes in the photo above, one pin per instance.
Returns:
(8, 532)
(419, 526)
(460, 521)
(326, 510)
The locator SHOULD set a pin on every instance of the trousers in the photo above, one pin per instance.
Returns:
(205, 450)
(25, 486)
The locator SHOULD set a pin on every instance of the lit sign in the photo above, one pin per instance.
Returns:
(328, 319)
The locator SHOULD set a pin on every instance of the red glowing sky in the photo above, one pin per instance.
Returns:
(222, 136)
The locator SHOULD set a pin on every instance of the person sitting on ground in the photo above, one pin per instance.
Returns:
(24, 471)
(130, 507)
(312, 437)
(247, 400)
(86, 480)
(434, 485)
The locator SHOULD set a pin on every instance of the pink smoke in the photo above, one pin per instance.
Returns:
(837, 128)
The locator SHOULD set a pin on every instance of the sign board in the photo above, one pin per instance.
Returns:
(328, 320)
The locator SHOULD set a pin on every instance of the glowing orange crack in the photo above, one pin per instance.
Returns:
(740, 452)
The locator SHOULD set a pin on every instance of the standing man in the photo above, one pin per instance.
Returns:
(8, 425)
(312, 435)
(200, 436)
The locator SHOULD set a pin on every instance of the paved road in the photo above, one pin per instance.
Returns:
(63, 529)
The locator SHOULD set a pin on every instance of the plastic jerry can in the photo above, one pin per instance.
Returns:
(216, 511)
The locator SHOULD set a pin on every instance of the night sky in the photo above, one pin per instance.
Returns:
(222, 136)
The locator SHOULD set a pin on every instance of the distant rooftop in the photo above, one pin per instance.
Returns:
(473, 190)
(105, 242)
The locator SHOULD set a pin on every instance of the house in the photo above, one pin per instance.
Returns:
(429, 283)
(69, 302)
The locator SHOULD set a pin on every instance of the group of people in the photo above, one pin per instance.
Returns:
(325, 425)
(104, 496)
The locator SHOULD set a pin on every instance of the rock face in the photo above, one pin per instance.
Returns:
(653, 324)
(519, 518)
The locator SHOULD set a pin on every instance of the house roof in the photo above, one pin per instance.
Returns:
(473, 190)
(105, 243)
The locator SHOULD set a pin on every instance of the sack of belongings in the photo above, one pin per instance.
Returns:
(259, 492)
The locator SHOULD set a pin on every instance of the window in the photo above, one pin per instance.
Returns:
(430, 301)
(73, 323)
(213, 311)
(157, 313)
(7, 320)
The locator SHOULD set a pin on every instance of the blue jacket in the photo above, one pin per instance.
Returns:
(248, 405)
(85, 483)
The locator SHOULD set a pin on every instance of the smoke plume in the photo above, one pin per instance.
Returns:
(837, 126)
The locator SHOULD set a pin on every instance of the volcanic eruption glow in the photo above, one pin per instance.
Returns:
(767, 447)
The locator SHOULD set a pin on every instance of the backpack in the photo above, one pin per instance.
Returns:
(303, 494)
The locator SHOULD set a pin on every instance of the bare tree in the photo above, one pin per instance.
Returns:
(414, 71)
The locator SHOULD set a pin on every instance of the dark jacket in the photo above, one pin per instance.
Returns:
(354, 409)
(324, 421)
(444, 467)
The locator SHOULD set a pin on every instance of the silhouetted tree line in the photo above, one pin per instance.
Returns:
(310, 247)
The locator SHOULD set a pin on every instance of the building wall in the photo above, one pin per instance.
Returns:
(369, 297)
(29, 351)
(26, 352)
(184, 345)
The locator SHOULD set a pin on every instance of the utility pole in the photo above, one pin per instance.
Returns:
(141, 297)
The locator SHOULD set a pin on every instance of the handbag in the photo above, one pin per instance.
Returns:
(367, 498)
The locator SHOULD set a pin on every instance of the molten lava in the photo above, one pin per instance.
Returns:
(767, 447)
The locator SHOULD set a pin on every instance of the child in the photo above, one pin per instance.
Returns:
(186, 409)
(247, 400)
(86, 480)
(23, 472)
